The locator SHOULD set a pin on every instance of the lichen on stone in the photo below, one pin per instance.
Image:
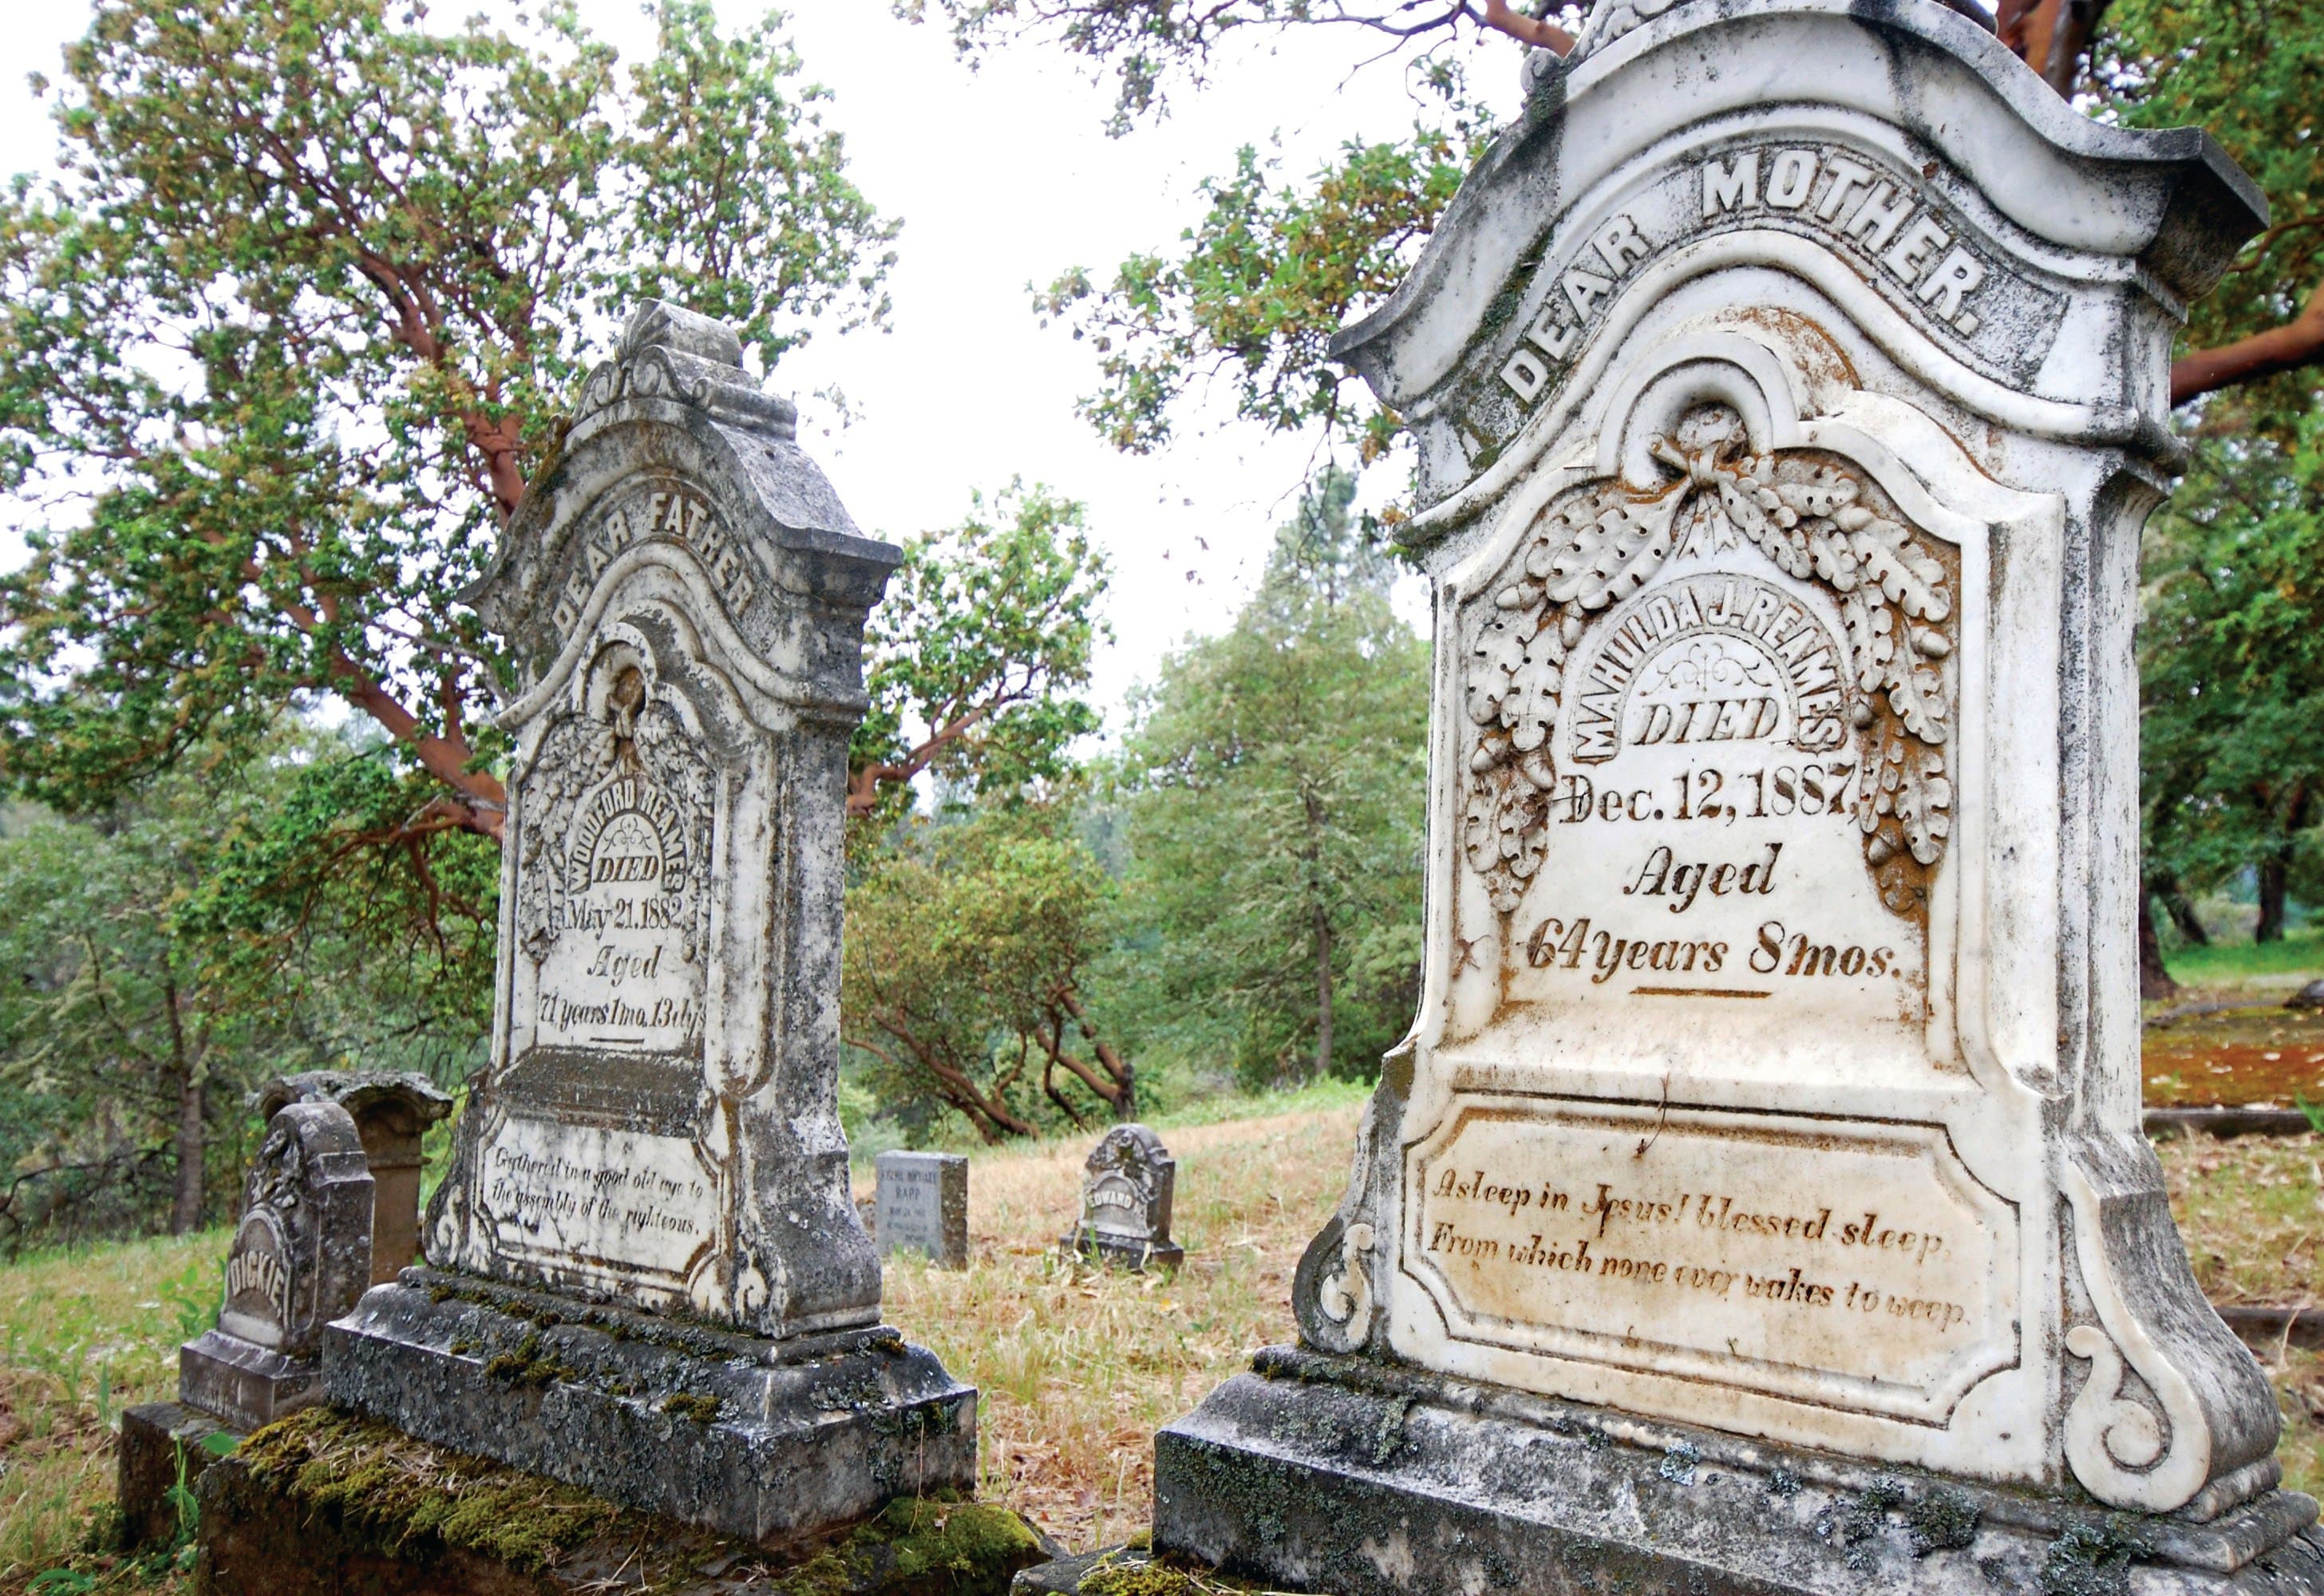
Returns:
(2093, 1559)
(1944, 1520)
(918, 1546)
(702, 1410)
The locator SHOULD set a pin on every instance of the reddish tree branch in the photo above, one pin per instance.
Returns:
(485, 808)
(2298, 343)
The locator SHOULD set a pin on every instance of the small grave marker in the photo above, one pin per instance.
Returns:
(393, 1112)
(923, 1206)
(300, 1257)
(1126, 1194)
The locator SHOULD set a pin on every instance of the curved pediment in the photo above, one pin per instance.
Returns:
(1891, 158)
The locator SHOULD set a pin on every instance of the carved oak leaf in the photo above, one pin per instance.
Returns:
(1613, 552)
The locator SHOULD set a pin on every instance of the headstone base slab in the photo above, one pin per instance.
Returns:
(1322, 1473)
(244, 1384)
(160, 1443)
(762, 1440)
(1128, 1252)
(331, 1504)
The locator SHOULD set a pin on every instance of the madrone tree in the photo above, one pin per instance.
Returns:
(300, 314)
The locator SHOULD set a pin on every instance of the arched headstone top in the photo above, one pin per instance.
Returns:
(362, 1094)
(676, 456)
(2006, 254)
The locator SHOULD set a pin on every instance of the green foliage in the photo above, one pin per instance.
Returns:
(976, 655)
(1259, 286)
(2247, 71)
(1271, 914)
(966, 945)
(188, 942)
(2231, 656)
(302, 313)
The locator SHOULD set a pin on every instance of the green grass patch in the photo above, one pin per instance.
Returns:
(2296, 960)
(85, 1333)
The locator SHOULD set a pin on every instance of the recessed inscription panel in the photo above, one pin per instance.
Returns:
(608, 1202)
(1708, 771)
(614, 905)
(1860, 1267)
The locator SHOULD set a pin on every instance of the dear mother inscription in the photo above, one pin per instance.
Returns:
(1788, 385)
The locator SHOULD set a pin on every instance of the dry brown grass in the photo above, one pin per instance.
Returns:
(1080, 1366)
(2253, 1214)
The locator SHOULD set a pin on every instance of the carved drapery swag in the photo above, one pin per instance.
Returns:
(1817, 517)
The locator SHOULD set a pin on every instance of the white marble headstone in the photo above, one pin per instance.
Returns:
(1789, 396)
(684, 596)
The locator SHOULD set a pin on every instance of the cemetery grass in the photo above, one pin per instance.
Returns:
(1078, 1367)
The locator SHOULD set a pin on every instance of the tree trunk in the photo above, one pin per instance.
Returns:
(1124, 1101)
(2155, 981)
(2274, 881)
(192, 1135)
(2181, 910)
(1322, 993)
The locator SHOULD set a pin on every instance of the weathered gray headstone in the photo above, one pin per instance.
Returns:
(1126, 1193)
(923, 1206)
(301, 1256)
(647, 1275)
(1760, 1203)
(391, 1112)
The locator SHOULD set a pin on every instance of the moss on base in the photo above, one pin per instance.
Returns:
(447, 1520)
(392, 1491)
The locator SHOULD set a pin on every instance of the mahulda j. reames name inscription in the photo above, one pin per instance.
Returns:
(1788, 385)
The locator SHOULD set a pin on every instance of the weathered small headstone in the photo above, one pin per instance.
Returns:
(923, 1206)
(646, 1276)
(2310, 996)
(1126, 1192)
(392, 1112)
(1759, 1202)
(300, 1257)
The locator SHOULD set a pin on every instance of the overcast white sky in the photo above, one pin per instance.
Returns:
(1004, 176)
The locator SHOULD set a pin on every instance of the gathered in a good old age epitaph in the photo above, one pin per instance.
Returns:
(1788, 385)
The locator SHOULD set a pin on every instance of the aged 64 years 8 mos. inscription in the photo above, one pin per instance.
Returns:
(1856, 1265)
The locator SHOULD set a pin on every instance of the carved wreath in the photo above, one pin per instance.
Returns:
(1816, 519)
(576, 758)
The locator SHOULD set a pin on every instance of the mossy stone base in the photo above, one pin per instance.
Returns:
(1342, 1475)
(764, 1440)
(327, 1504)
(162, 1444)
